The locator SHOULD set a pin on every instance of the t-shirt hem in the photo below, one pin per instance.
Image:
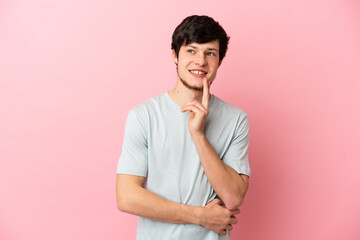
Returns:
(140, 174)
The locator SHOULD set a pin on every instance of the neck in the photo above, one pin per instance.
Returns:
(181, 95)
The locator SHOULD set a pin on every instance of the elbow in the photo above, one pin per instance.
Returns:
(233, 202)
(128, 189)
(123, 203)
(121, 206)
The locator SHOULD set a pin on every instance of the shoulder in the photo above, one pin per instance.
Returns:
(150, 103)
(145, 108)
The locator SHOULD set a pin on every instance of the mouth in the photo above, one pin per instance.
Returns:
(198, 73)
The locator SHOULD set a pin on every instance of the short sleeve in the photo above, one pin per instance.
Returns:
(133, 158)
(236, 156)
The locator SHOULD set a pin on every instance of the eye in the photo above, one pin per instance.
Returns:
(210, 54)
(190, 51)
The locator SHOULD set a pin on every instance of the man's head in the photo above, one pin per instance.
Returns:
(199, 44)
(199, 29)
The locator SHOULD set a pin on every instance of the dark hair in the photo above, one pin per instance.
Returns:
(199, 29)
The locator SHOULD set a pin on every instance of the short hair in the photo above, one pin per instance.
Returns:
(199, 29)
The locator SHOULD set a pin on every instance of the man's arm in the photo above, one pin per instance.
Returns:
(134, 199)
(227, 183)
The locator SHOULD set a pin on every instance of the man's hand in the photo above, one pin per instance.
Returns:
(218, 218)
(198, 111)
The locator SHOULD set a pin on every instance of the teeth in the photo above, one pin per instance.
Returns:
(198, 72)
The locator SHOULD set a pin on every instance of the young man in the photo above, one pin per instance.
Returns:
(184, 164)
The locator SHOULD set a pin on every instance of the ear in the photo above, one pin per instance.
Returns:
(174, 56)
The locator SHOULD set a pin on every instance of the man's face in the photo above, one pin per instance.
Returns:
(197, 61)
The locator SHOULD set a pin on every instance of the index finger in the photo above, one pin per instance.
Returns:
(206, 94)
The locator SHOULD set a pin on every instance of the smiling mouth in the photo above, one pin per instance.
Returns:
(196, 72)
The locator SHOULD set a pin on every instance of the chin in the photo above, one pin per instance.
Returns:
(192, 86)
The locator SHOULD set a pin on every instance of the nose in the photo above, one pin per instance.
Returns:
(201, 59)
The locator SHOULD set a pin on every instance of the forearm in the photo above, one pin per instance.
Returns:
(136, 200)
(227, 183)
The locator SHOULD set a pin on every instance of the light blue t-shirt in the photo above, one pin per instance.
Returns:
(158, 145)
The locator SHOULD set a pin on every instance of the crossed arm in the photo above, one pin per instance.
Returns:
(134, 199)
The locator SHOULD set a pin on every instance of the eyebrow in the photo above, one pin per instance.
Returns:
(211, 49)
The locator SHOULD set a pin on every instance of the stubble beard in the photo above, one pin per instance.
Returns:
(198, 89)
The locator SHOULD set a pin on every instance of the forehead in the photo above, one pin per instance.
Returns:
(213, 45)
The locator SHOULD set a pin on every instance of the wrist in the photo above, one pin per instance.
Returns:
(190, 214)
(198, 215)
(198, 136)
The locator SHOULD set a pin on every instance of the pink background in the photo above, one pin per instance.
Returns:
(70, 71)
